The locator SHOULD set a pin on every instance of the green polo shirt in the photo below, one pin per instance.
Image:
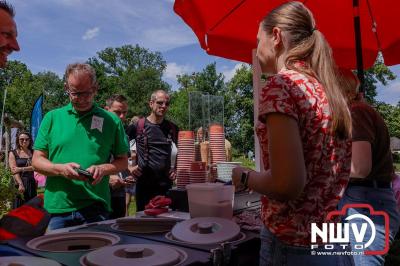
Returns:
(88, 139)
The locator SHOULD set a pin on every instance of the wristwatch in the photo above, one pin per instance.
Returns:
(244, 178)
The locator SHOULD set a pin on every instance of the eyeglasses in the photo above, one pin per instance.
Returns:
(161, 103)
(24, 139)
(80, 94)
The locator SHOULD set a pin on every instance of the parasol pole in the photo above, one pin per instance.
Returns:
(357, 35)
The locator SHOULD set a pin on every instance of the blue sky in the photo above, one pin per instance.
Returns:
(54, 33)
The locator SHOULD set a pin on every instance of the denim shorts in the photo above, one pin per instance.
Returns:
(275, 253)
(381, 199)
(90, 214)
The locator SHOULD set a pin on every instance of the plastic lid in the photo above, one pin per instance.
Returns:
(135, 254)
(28, 261)
(206, 230)
(73, 241)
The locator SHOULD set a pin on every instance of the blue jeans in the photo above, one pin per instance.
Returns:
(381, 199)
(274, 253)
(90, 214)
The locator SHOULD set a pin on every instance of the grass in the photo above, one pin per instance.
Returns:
(132, 207)
(245, 162)
(396, 167)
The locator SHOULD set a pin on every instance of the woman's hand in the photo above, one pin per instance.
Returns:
(21, 188)
(237, 176)
(15, 169)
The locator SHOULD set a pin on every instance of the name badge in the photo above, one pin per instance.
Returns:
(97, 123)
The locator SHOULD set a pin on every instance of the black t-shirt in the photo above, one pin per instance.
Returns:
(369, 126)
(159, 140)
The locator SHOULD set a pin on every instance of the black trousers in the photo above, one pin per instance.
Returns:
(118, 207)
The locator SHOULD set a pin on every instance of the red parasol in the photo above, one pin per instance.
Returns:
(228, 28)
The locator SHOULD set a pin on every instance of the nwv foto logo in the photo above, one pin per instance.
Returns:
(339, 233)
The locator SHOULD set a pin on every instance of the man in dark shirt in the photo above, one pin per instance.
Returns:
(154, 136)
(118, 104)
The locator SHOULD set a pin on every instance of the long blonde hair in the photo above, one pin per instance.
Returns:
(309, 45)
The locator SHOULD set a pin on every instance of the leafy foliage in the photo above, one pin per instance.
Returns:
(239, 110)
(391, 115)
(7, 190)
(378, 73)
(135, 72)
(23, 88)
(132, 71)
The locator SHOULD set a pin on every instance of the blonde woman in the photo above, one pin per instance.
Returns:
(304, 131)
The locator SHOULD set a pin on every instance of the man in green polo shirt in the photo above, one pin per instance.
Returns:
(79, 135)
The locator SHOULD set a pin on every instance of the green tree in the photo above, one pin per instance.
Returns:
(52, 87)
(208, 81)
(178, 111)
(239, 110)
(378, 73)
(129, 70)
(17, 79)
(238, 102)
(23, 88)
(391, 115)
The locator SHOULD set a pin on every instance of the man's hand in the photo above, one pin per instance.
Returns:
(172, 174)
(97, 172)
(129, 180)
(136, 171)
(116, 182)
(68, 170)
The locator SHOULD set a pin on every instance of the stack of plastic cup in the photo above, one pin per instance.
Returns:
(185, 158)
(198, 172)
(217, 148)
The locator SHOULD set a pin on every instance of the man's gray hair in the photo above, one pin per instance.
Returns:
(4, 5)
(81, 68)
(154, 94)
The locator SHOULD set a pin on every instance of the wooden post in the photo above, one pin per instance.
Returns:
(257, 86)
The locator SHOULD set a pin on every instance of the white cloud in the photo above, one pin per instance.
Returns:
(173, 69)
(91, 33)
(229, 73)
(389, 94)
(165, 38)
(71, 2)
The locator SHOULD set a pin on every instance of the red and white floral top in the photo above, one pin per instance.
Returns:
(327, 158)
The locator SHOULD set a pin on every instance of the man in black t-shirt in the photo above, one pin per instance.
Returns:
(154, 136)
